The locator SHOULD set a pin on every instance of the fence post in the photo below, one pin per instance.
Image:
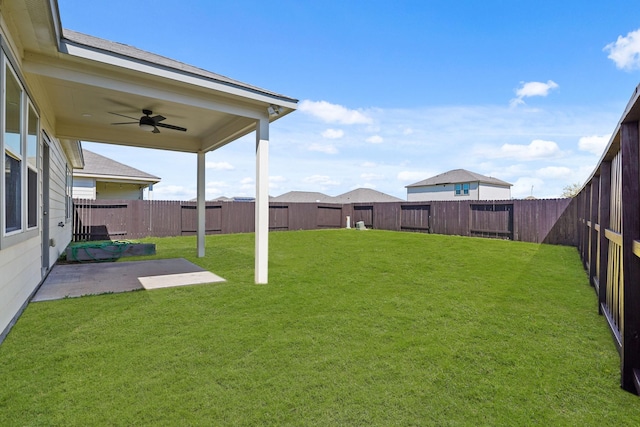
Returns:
(630, 357)
(603, 220)
(595, 230)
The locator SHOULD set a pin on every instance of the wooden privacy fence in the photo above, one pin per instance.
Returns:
(609, 240)
(540, 221)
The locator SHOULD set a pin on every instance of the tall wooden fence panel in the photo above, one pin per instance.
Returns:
(527, 220)
(608, 239)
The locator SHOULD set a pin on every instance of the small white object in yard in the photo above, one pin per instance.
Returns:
(348, 221)
(360, 225)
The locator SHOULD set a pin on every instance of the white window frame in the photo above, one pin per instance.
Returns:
(7, 64)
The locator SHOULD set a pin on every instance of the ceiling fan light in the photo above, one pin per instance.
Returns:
(147, 123)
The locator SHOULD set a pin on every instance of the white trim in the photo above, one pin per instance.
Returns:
(201, 204)
(262, 203)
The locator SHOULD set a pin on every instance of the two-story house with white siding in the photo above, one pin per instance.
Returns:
(459, 184)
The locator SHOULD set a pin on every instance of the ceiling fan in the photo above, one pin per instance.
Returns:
(149, 123)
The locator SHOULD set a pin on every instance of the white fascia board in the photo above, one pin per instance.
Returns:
(73, 150)
(160, 71)
(116, 178)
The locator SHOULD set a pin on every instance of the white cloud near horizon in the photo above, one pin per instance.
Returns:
(530, 89)
(375, 139)
(333, 113)
(594, 144)
(322, 180)
(625, 51)
(554, 172)
(371, 176)
(536, 150)
(413, 176)
(219, 166)
(333, 133)
(323, 148)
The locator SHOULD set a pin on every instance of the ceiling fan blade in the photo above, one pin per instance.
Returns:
(158, 118)
(155, 130)
(122, 115)
(125, 123)
(162, 125)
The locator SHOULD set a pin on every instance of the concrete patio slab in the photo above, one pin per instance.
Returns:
(74, 280)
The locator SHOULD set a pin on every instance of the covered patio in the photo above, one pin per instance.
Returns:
(112, 93)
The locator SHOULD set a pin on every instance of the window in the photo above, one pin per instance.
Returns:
(32, 168)
(19, 148)
(68, 194)
(13, 153)
(462, 189)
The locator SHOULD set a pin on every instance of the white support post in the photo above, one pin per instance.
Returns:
(201, 203)
(262, 202)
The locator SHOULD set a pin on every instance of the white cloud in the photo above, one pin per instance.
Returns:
(247, 180)
(593, 144)
(537, 149)
(375, 139)
(277, 178)
(320, 179)
(413, 176)
(219, 166)
(407, 131)
(333, 133)
(333, 113)
(625, 51)
(172, 192)
(526, 186)
(371, 176)
(368, 164)
(323, 148)
(554, 172)
(530, 89)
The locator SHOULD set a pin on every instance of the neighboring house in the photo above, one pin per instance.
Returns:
(459, 184)
(104, 178)
(60, 87)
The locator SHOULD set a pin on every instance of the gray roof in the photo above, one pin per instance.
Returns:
(96, 166)
(458, 176)
(365, 195)
(359, 195)
(303, 197)
(141, 55)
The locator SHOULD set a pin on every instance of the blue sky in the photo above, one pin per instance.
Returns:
(393, 92)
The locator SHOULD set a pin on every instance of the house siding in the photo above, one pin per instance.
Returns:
(446, 192)
(21, 269)
(118, 191)
(84, 188)
(494, 192)
(440, 192)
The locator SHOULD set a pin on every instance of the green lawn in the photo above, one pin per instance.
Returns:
(369, 328)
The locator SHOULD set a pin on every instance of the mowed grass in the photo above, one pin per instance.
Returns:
(369, 328)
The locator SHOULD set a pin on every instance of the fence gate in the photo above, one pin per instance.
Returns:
(415, 218)
(278, 218)
(491, 220)
(330, 216)
(364, 214)
(189, 218)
